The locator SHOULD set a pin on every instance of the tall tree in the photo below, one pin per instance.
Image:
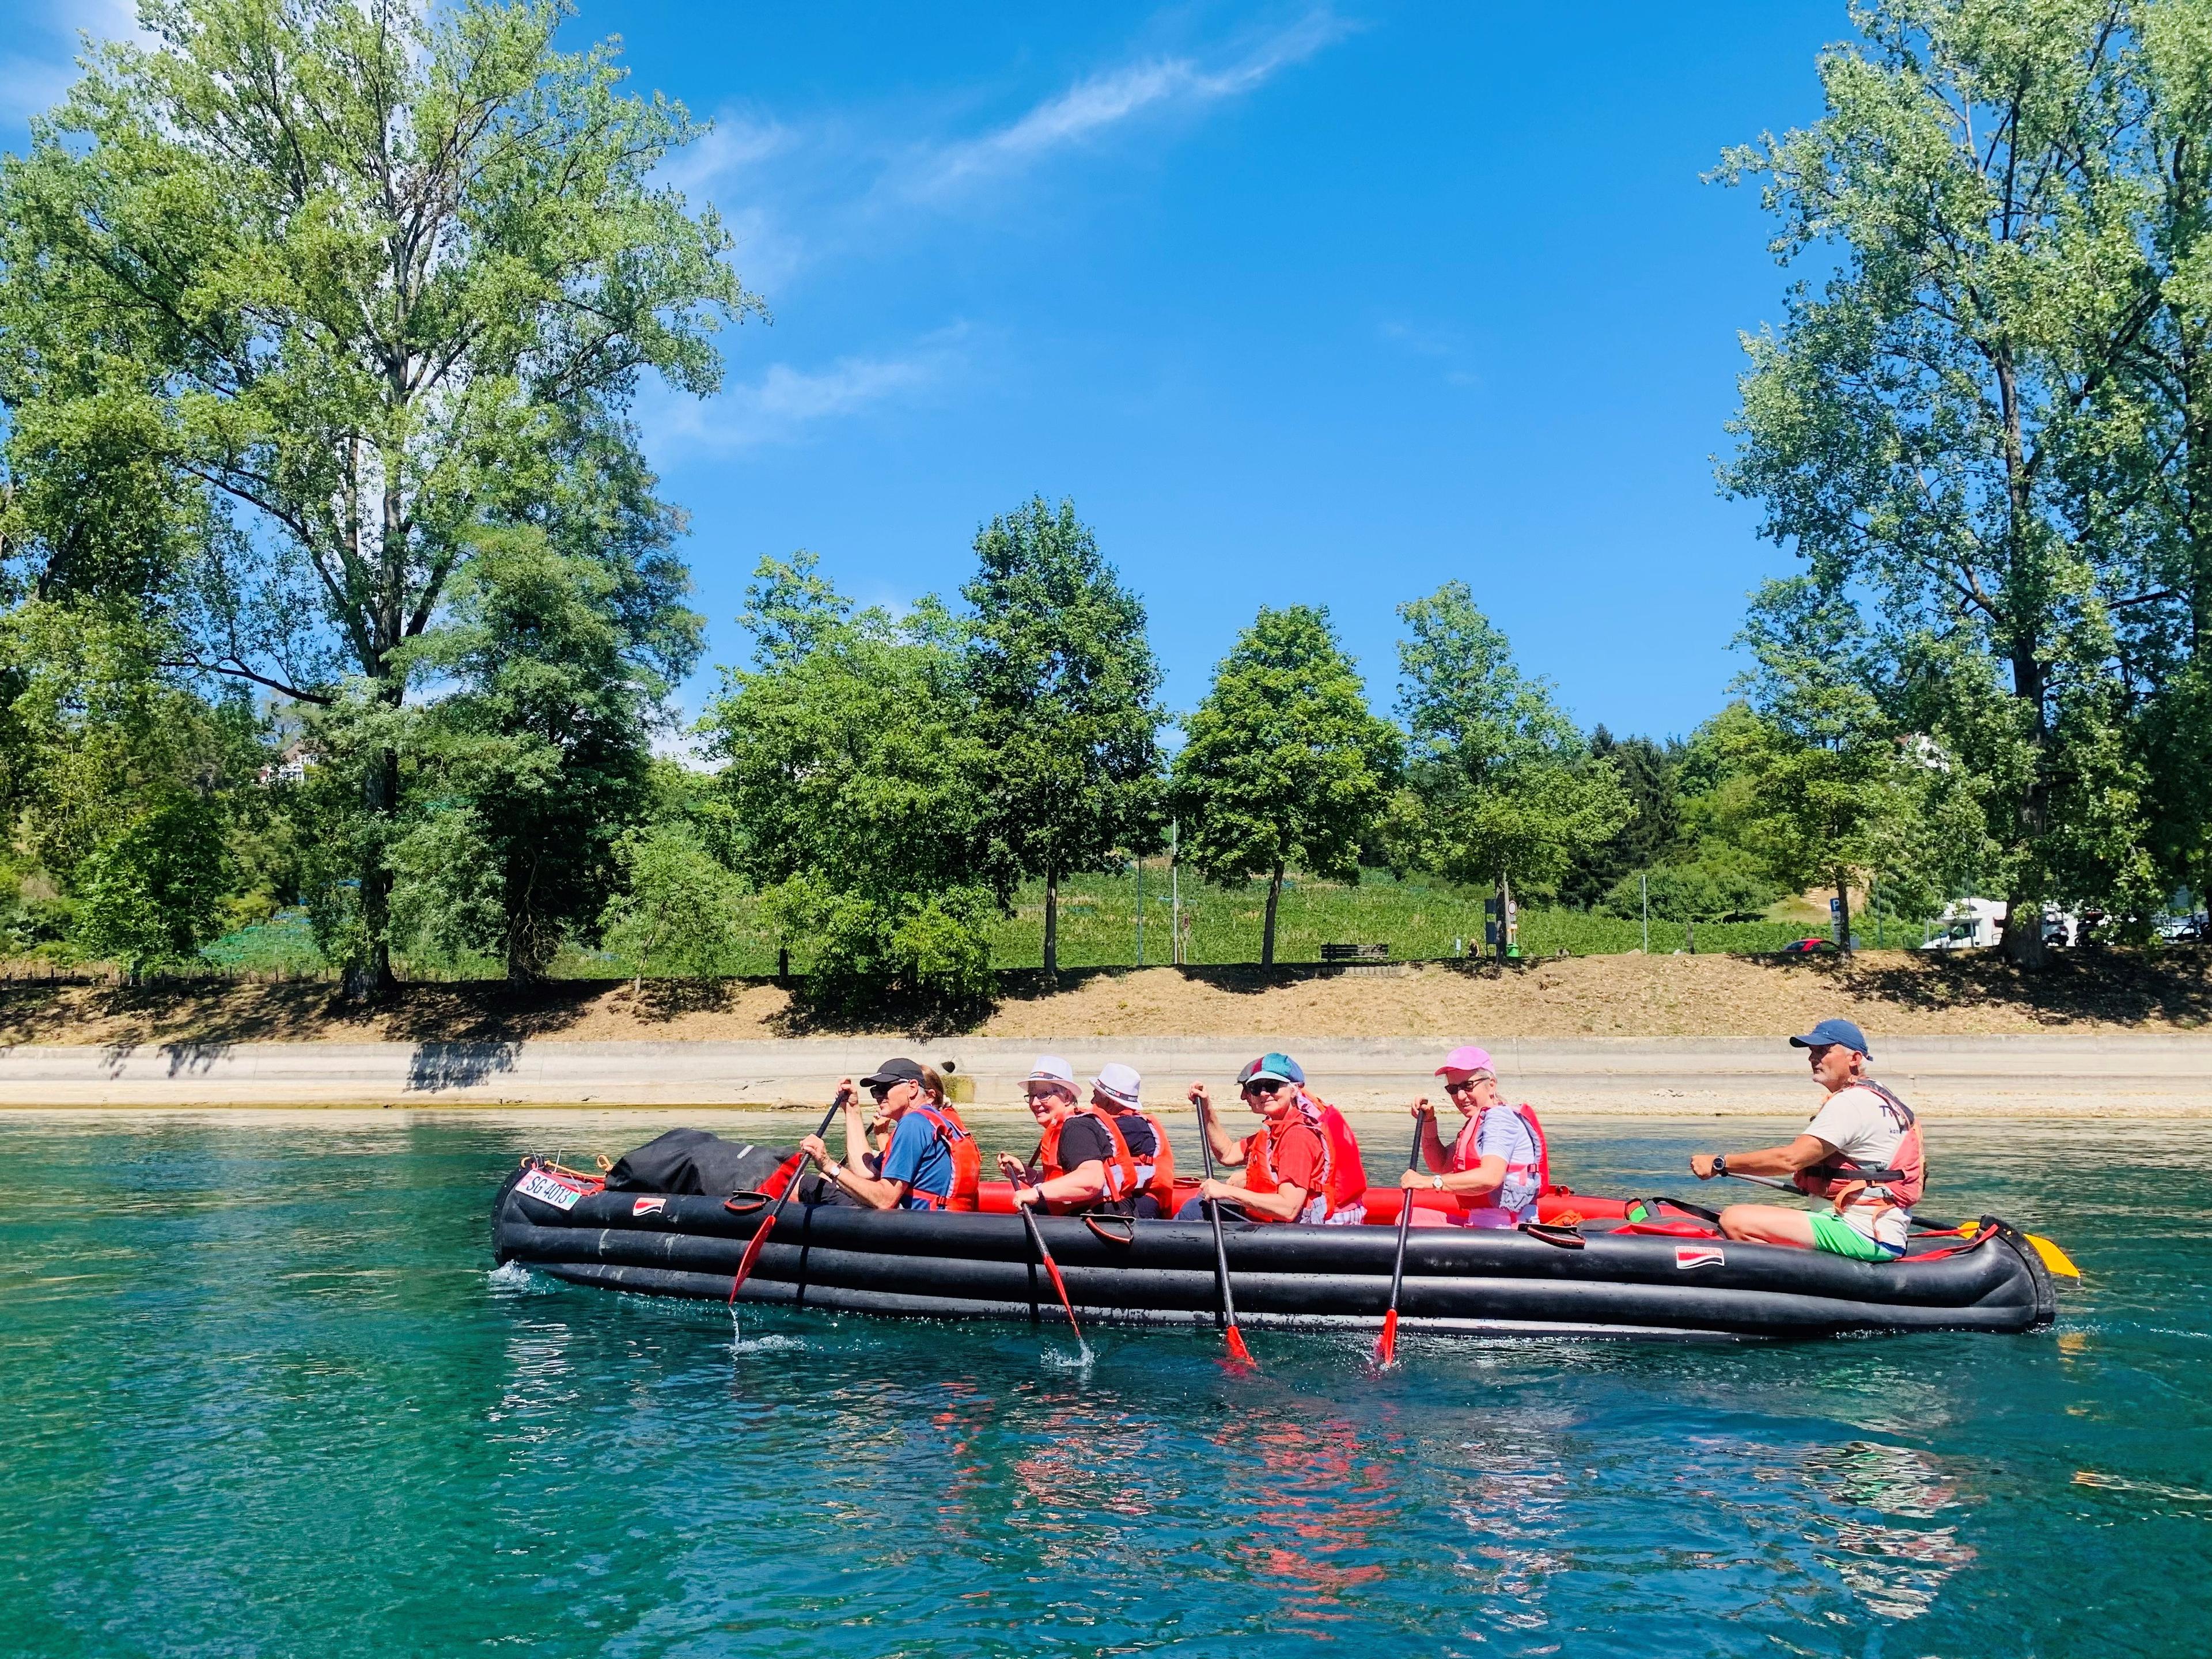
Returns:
(853, 780)
(365, 275)
(1285, 765)
(1502, 788)
(1065, 686)
(537, 759)
(1648, 771)
(1922, 425)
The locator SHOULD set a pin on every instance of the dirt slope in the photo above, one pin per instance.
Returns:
(1896, 992)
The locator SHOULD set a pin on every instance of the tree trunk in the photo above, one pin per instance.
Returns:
(1842, 912)
(1051, 922)
(371, 980)
(1268, 931)
(783, 964)
(2023, 934)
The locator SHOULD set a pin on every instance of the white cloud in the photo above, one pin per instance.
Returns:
(784, 404)
(734, 144)
(1092, 107)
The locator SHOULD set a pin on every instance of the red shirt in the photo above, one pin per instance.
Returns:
(1297, 1158)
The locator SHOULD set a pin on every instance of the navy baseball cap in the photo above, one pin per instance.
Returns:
(1830, 1031)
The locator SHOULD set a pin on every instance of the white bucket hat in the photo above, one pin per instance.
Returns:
(1051, 1068)
(1121, 1085)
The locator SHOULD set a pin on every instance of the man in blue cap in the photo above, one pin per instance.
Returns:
(1861, 1152)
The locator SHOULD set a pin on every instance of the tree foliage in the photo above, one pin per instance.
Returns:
(356, 280)
(677, 910)
(1501, 787)
(1064, 684)
(1991, 414)
(1284, 765)
(855, 780)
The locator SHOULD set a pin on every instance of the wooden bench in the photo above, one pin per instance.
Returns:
(1355, 953)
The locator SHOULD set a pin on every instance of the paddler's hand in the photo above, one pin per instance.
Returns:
(1027, 1198)
(1422, 1109)
(1413, 1178)
(1701, 1165)
(1011, 1167)
(1218, 1189)
(1201, 1100)
(813, 1147)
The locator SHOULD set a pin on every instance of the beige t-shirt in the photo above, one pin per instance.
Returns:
(1856, 1124)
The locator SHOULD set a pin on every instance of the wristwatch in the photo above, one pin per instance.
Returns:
(1437, 1180)
(1720, 1163)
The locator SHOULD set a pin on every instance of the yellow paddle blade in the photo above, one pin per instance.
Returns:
(2054, 1258)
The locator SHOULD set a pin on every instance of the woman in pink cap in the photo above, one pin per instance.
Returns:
(1498, 1165)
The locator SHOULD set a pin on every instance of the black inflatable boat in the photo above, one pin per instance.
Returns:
(1595, 1279)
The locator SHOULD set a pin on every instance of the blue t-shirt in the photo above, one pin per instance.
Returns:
(1505, 1134)
(918, 1157)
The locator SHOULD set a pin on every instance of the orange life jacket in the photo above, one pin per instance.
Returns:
(1126, 1175)
(1896, 1188)
(1345, 1181)
(967, 1162)
(1343, 1178)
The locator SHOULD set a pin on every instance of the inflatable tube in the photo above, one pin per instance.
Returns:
(984, 1265)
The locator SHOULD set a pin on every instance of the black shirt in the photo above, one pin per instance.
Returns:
(1083, 1140)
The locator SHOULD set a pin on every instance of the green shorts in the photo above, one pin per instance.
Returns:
(1839, 1238)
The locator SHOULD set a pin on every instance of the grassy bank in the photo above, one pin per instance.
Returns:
(1419, 921)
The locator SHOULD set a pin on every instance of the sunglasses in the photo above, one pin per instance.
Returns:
(1269, 1087)
(1467, 1084)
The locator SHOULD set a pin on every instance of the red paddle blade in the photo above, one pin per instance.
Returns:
(1386, 1345)
(1060, 1286)
(1239, 1355)
(752, 1254)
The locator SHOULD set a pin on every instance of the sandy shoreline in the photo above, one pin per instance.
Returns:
(2162, 1077)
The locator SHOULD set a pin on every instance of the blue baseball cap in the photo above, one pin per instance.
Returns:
(1272, 1068)
(1829, 1032)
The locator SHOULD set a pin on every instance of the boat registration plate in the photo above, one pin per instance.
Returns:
(536, 1183)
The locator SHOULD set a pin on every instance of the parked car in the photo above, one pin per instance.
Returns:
(2181, 930)
(1809, 947)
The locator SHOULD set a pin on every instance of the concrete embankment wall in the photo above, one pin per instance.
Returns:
(2138, 1076)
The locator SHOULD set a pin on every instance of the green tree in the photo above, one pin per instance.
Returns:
(1926, 424)
(1284, 765)
(678, 906)
(153, 890)
(1836, 789)
(539, 759)
(1500, 786)
(1064, 682)
(854, 782)
(364, 278)
(1696, 891)
(1650, 772)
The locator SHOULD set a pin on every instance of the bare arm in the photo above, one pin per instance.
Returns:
(1432, 1141)
(1802, 1153)
(1079, 1185)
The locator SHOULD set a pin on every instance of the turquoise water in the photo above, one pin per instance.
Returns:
(263, 1395)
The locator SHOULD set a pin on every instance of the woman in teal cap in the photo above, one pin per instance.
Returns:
(1497, 1167)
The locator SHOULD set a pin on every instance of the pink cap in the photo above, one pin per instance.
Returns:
(1468, 1058)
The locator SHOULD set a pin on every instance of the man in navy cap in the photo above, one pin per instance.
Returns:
(1861, 1152)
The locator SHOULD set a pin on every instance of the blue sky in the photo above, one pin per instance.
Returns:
(1299, 305)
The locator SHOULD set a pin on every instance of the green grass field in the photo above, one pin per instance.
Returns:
(1416, 919)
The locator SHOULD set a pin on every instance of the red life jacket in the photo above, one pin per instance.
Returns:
(1125, 1173)
(1343, 1178)
(1896, 1188)
(967, 1162)
(1522, 1175)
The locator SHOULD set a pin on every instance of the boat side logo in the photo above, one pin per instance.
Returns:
(1698, 1256)
(648, 1207)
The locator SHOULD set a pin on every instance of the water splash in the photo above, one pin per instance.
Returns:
(513, 1279)
(1060, 1359)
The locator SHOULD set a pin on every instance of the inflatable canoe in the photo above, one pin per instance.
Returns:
(1596, 1275)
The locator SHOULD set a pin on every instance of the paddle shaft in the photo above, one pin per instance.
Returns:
(1927, 1226)
(1051, 1267)
(1225, 1315)
(1386, 1345)
(753, 1245)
